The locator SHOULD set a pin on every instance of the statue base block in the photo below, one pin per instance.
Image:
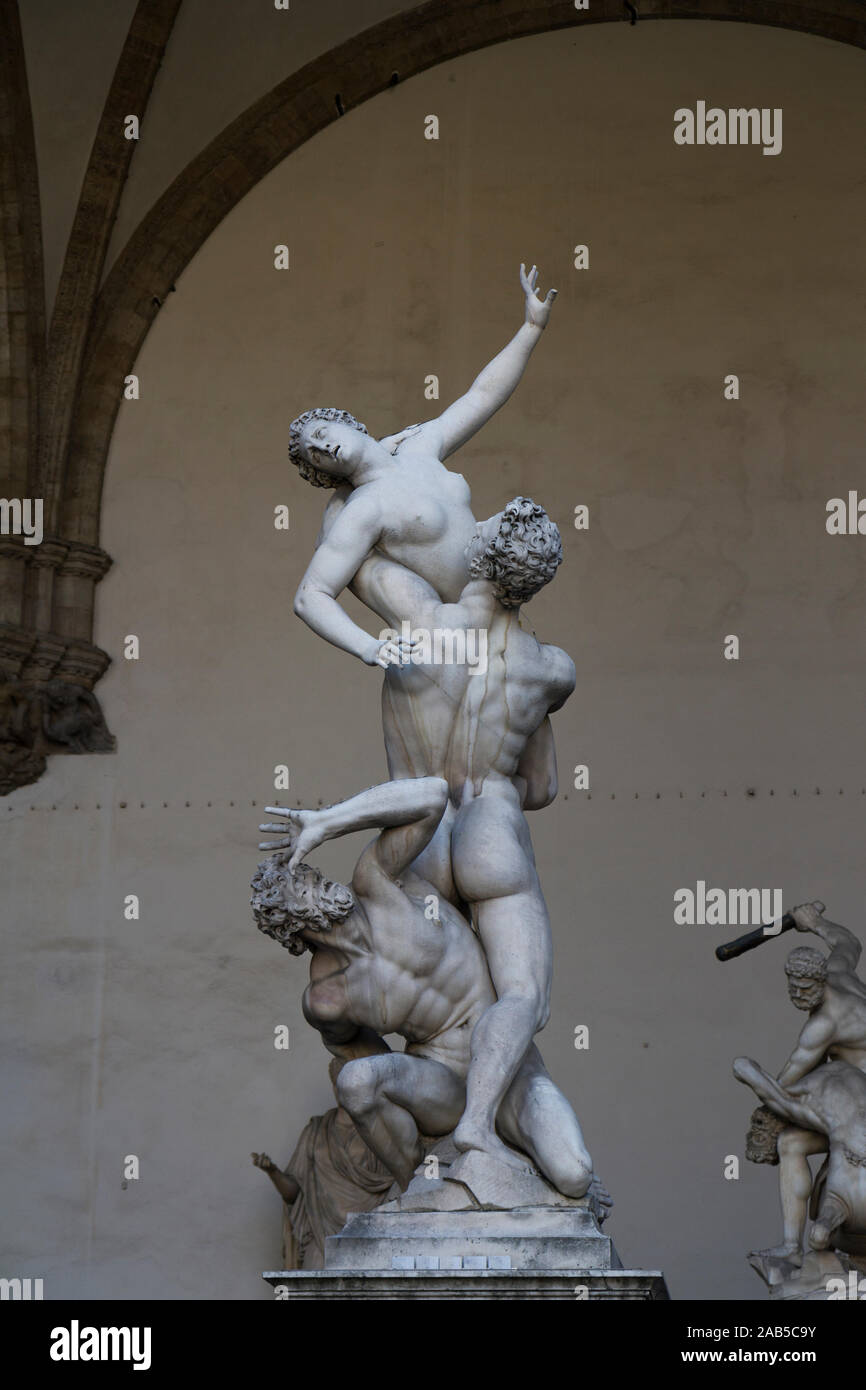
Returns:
(822, 1275)
(527, 1238)
(471, 1226)
(628, 1285)
(477, 1229)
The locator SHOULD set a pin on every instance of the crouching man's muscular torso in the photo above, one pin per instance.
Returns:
(389, 968)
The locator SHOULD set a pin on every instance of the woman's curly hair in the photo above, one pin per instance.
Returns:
(317, 476)
(523, 556)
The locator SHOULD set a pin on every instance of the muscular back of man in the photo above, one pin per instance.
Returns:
(500, 712)
(845, 1002)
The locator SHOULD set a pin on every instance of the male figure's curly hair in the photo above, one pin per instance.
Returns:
(281, 911)
(762, 1138)
(805, 963)
(317, 476)
(523, 556)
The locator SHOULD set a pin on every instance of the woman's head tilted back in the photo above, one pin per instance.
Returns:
(302, 437)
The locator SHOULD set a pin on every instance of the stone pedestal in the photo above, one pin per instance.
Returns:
(629, 1285)
(526, 1238)
(473, 1229)
(822, 1275)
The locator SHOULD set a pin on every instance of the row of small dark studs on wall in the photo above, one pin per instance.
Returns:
(587, 796)
(747, 791)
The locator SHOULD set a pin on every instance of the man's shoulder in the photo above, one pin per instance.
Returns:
(560, 668)
(844, 988)
(820, 1026)
(370, 881)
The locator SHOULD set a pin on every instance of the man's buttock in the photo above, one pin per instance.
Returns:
(491, 851)
(500, 784)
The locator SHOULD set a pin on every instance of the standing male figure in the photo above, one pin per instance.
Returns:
(494, 748)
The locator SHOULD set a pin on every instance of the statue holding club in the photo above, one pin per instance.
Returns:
(817, 1104)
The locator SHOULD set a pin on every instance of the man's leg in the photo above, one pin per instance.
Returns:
(834, 1213)
(795, 1144)
(795, 1185)
(391, 1097)
(494, 870)
(433, 864)
(535, 1116)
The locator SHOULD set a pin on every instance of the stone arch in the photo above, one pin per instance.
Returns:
(279, 123)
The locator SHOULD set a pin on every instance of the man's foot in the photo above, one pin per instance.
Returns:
(788, 1250)
(467, 1137)
(599, 1194)
(821, 1235)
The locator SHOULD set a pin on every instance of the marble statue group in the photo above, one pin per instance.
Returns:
(443, 936)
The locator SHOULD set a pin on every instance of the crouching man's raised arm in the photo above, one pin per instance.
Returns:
(408, 812)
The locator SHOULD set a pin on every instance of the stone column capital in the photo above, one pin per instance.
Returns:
(83, 663)
(15, 646)
(13, 548)
(49, 554)
(85, 561)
